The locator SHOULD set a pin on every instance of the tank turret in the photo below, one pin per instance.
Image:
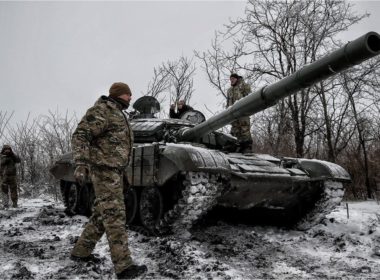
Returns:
(180, 170)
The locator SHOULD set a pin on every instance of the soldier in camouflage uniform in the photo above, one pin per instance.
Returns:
(102, 145)
(8, 175)
(241, 128)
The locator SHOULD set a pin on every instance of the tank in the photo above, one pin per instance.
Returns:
(182, 169)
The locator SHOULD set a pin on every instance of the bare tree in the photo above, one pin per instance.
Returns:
(272, 132)
(273, 40)
(332, 119)
(25, 139)
(56, 131)
(217, 66)
(55, 136)
(4, 121)
(159, 83)
(181, 74)
(173, 80)
(357, 83)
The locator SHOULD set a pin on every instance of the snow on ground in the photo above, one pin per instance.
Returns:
(35, 241)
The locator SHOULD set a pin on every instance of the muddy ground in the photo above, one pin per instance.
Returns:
(36, 238)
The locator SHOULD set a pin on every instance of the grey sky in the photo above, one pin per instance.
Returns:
(65, 54)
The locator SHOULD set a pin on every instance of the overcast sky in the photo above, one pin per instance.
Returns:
(66, 54)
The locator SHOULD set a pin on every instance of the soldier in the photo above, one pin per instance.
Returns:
(181, 109)
(241, 128)
(102, 145)
(8, 175)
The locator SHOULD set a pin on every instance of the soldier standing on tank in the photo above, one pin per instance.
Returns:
(102, 144)
(181, 109)
(241, 128)
(8, 175)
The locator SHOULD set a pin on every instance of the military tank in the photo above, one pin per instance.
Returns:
(182, 168)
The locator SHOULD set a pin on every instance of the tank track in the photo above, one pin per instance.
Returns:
(200, 194)
(333, 192)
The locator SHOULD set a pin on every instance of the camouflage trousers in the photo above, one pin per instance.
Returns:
(109, 217)
(241, 129)
(6, 188)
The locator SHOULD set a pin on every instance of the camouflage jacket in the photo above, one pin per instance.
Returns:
(8, 167)
(103, 136)
(240, 90)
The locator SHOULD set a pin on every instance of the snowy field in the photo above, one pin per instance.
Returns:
(35, 241)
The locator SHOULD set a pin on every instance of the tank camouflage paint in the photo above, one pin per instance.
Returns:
(179, 171)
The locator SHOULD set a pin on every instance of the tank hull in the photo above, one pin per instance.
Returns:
(256, 183)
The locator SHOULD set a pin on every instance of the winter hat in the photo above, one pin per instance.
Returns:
(234, 75)
(118, 89)
(6, 147)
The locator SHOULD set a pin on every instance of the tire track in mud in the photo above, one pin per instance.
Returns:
(245, 250)
(35, 241)
(320, 253)
(222, 252)
(175, 258)
(35, 244)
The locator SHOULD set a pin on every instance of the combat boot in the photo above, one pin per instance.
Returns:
(90, 258)
(132, 271)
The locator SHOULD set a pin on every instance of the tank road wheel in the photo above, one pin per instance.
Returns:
(86, 200)
(332, 195)
(130, 200)
(199, 193)
(77, 199)
(151, 207)
(71, 197)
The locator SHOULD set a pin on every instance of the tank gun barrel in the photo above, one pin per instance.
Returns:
(351, 54)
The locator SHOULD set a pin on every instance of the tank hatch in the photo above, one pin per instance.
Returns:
(147, 106)
(193, 116)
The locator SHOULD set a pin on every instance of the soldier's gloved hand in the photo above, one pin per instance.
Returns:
(81, 174)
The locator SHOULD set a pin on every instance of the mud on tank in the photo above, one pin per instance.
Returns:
(183, 168)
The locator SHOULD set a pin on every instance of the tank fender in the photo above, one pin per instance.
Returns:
(175, 158)
(324, 169)
(63, 169)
